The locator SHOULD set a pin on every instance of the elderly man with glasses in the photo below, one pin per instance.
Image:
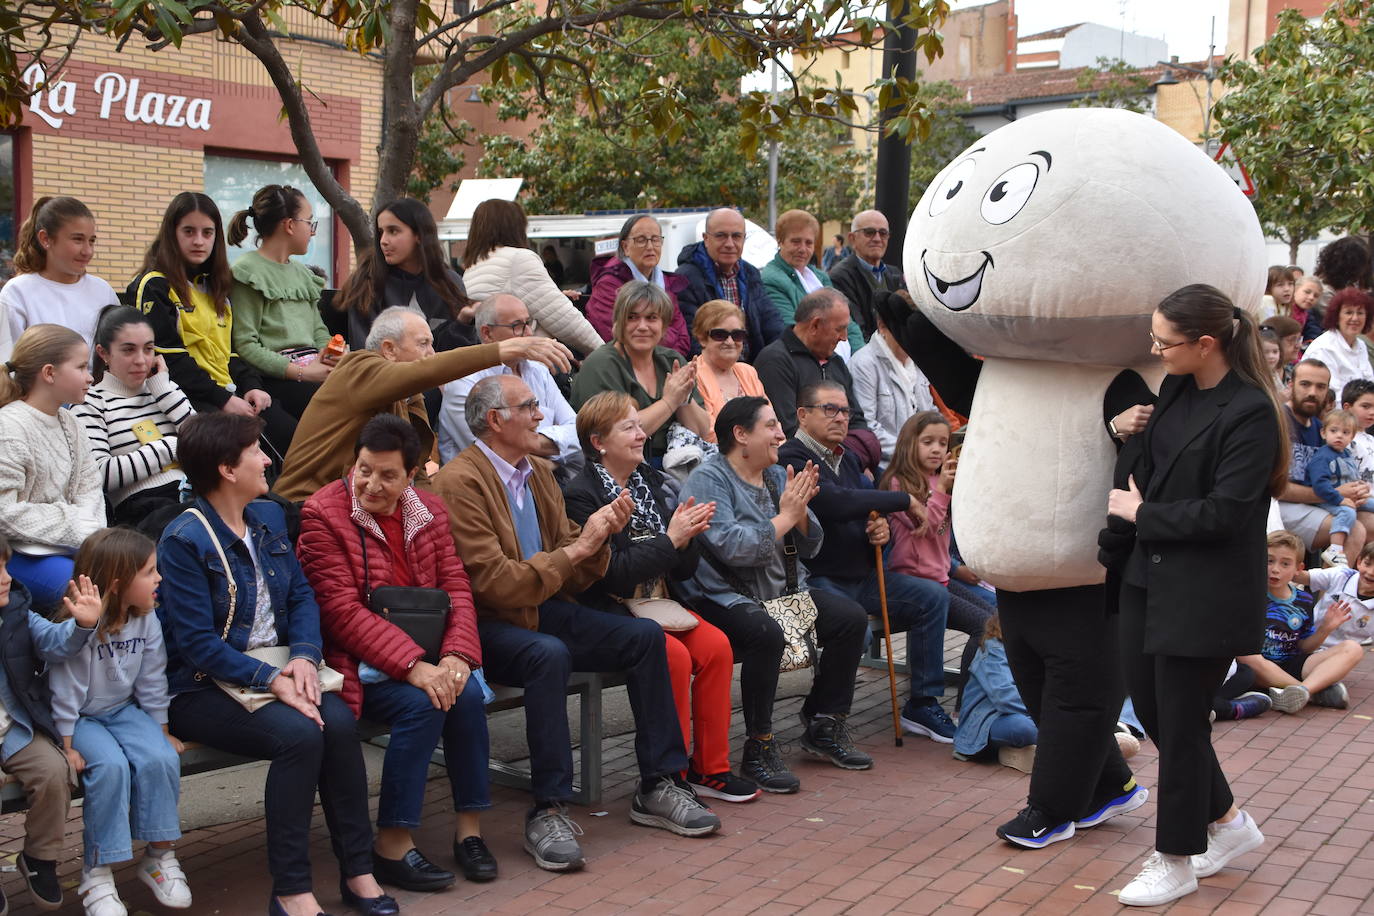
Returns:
(503, 317)
(715, 269)
(521, 551)
(864, 273)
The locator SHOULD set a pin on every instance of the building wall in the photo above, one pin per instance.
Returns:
(103, 149)
(1251, 22)
(1089, 41)
(975, 43)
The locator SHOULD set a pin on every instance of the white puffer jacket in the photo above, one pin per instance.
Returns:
(520, 272)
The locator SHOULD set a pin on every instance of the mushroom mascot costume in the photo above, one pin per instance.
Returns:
(1043, 249)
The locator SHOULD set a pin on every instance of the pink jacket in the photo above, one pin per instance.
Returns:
(927, 554)
(608, 274)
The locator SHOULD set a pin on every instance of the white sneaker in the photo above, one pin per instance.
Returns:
(1289, 699)
(162, 873)
(1335, 556)
(1162, 879)
(98, 893)
(1225, 843)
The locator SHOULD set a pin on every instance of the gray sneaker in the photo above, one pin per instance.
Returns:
(673, 806)
(551, 837)
(1333, 697)
(1289, 699)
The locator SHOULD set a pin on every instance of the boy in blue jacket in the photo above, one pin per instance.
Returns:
(1330, 466)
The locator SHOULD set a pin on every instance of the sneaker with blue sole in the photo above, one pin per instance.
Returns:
(1129, 800)
(1034, 829)
(929, 720)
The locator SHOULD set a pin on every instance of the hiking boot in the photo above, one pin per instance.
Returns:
(1333, 697)
(928, 719)
(551, 838)
(673, 806)
(1034, 829)
(762, 765)
(828, 737)
(725, 786)
(1250, 704)
(1128, 798)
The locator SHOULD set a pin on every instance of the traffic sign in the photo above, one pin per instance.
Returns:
(1225, 157)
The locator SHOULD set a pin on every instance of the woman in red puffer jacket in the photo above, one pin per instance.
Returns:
(386, 678)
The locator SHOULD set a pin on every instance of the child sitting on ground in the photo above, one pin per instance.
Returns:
(1353, 587)
(993, 716)
(1292, 664)
(1330, 466)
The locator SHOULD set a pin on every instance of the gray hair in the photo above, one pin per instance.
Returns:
(484, 316)
(484, 397)
(390, 325)
(818, 303)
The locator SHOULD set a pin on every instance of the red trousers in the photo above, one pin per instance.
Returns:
(700, 665)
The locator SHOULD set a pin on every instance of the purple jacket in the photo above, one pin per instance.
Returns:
(608, 274)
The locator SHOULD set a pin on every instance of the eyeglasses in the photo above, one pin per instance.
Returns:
(645, 240)
(735, 237)
(531, 405)
(870, 231)
(720, 335)
(314, 224)
(830, 410)
(1161, 346)
(518, 328)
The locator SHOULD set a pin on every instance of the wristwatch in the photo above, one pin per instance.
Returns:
(1111, 428)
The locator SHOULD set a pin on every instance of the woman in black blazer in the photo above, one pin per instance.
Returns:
(649, 556)
(1195, 488)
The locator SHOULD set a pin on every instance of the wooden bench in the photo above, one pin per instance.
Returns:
(874, 657)
(587, 686)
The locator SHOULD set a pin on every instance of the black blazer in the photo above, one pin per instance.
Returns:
(1202, 524)
(632, 561)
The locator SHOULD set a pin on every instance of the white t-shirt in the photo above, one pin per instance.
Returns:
(1342, 582)
(1362, 447)
(34, 299)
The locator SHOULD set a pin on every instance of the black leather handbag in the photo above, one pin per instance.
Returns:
(421, 613)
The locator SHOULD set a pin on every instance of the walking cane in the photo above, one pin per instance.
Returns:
(887, 636)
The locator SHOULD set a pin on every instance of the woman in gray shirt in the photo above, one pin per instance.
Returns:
(761, 513)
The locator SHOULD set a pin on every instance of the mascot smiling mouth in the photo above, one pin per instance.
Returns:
(960, 294)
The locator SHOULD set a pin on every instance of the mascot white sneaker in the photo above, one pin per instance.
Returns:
(1044, 248)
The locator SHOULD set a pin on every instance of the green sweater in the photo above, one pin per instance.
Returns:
(607, 369)
(785, 289)
(276, 307)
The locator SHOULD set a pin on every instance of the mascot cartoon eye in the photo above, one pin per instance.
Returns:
(950, 185)
(1010, 192)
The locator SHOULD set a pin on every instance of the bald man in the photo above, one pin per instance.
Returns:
(864, 273)
(715, 269)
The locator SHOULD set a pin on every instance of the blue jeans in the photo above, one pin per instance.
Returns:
(575, 638)
(132, 780)
(919, 606)
(416, 727)
(1014, 730)
(46, 578)
(1342, 518)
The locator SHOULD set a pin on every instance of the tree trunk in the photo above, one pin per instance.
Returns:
(1293, 244)
(401, 113)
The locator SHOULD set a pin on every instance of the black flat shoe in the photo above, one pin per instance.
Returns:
(385, 905)
(475, 859)
(412, 872)
(274, 908)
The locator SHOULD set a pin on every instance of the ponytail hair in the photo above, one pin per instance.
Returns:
(40, 345)
(49, 214)
(113, 319)
(272, 205)
(1200, 310)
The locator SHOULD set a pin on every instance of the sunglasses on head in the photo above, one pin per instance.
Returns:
(720, 335)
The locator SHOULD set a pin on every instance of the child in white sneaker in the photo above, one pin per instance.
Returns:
(1292, 664)
(1331, 466)
(110, 706)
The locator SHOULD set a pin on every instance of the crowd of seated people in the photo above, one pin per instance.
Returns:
(204, 523)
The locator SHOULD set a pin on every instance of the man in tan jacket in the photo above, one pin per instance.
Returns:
(522, 555)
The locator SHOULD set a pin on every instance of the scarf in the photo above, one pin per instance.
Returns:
(656, 279)
(645, 519)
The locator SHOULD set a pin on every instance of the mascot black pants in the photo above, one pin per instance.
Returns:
(1062, 648)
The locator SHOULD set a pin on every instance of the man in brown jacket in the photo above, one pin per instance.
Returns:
(390, 376)
(521, 552)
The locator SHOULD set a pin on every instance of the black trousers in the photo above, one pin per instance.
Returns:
(841, 631)
(1173, 695)
(1061, 648)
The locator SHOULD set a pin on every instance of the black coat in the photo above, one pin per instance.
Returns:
(633, 562)
(1201, 528)
(855, 279)
(785, 367)
(25, 671)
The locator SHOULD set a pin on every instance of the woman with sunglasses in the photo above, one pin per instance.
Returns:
(277, 325)
(661, 381)
(721, 374)
(636, 257)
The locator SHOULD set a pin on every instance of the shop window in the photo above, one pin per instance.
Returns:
(9, 219)
(231, 181)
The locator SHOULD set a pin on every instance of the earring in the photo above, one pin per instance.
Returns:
(603, 451)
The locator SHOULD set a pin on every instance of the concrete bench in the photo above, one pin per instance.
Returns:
(587, 686)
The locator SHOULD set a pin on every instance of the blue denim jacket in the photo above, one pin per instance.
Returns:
(989, 695)
(193, 599)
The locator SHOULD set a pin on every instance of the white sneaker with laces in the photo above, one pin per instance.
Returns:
(98, 893)
(1335, 556)
(1162, 879)
(163, 874)
(1225, 844)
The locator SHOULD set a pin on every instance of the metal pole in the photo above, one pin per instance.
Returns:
(773, 160)
(893, 171)
(1211, 75)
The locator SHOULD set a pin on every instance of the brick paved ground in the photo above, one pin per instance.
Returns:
(914, 835)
